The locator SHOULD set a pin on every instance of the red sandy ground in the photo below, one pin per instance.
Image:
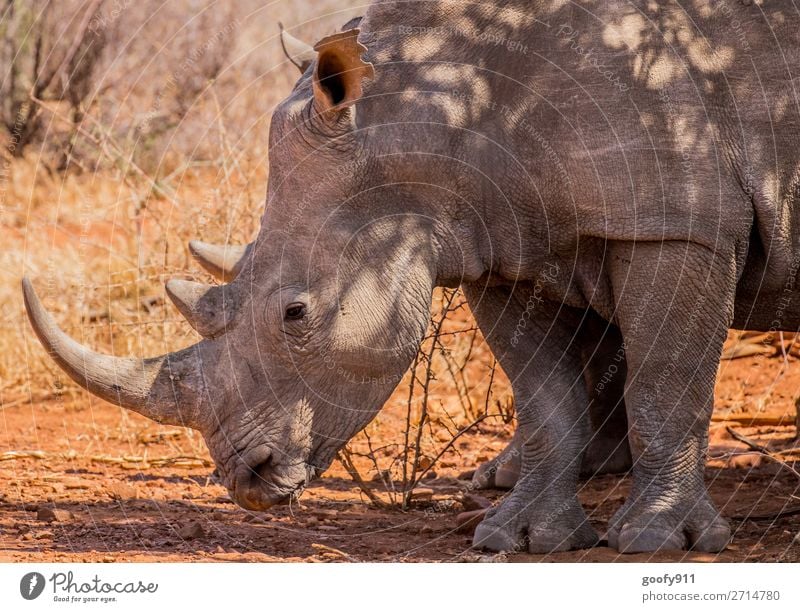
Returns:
(100, 464)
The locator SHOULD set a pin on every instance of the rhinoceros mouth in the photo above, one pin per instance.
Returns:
(260, 483)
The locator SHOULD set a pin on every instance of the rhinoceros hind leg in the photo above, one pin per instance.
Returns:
(606, 454)
(608, 451)
(543, 361)
(605, 370)
(674, 352)
(502, 471)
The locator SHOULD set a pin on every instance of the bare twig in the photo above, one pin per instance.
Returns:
(116, 156)
(331, 550)
(761, 449)
(450, 444)
(770, 516)
(408, 490)
(347, 462)
(44, 81)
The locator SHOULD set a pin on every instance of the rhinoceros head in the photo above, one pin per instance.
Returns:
(322, 317)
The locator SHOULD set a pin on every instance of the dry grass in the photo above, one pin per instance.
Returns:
(151, 169)
(171, 146)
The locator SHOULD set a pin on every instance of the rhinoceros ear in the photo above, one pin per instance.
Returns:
(296, 51)
(338, 71)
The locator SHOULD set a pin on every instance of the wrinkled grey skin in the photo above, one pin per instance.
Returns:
(624, 161)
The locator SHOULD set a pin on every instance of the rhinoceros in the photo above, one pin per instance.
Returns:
(604, 359)
(635, 163)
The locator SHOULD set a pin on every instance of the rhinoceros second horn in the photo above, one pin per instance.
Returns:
(223, 261)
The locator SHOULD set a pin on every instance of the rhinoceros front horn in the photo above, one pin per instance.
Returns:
(223, 261)
(296, 51)
(209, 309)
(168, 389)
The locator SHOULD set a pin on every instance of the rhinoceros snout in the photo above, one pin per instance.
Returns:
(259, 483)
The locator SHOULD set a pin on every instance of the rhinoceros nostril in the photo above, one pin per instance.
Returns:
(261, 470)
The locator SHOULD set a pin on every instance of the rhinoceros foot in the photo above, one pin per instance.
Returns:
(649, 526)
(517, 526)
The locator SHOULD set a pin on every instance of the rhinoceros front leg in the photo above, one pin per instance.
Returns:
(674, 302)
(604, 370)
(538, 349)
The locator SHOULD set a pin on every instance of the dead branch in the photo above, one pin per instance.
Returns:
(761, 449)
(770, 516)
(347, 463)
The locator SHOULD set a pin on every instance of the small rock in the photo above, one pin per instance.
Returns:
(75, 484)
(466, 475)
(53, 515)
(322, 513)
(745, 461)
(796, 539)
(423, 493)
(382, 476)
(467, 521)
(498, 558)
(43, 534)
(121, 490)
(425, 462)
(475, 502)
(328, 528)
(192, 530)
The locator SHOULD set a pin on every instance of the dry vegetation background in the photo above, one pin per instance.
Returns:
(131, 128)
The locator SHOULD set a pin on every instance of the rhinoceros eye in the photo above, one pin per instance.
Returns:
(295, 311)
